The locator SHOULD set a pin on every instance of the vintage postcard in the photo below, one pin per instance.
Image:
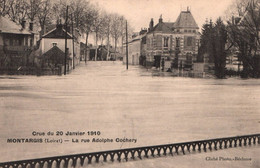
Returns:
(129, 83)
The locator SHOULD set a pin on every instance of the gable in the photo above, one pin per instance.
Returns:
(57, 33)
(164, 27)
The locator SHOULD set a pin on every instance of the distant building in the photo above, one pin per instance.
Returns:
(16, 42)
(102, 53)
(135, 49)
(84, 51)
(114, 54)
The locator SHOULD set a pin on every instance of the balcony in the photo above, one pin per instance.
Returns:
(17, 48)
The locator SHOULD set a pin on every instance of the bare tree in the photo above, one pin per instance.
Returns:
(88, 21)
(97, 24)
(245, 36)
(44, 15)
(78, 8)
(34, 9)
(116, 28)
(4, 7)
(106, 31)
(18, 10)
(59, 9)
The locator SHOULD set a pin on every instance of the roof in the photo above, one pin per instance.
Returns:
(10, 27)
(54, 52)
(185, 20)
(166, 27)
(169, 24)
(57, 33)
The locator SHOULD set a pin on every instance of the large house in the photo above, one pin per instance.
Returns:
(16, 42)
(168, 44)
(173, 42)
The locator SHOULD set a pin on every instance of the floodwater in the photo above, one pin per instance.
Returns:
(153, 108)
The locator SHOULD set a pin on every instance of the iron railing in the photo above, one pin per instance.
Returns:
(133, 153)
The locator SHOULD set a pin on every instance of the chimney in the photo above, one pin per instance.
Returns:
(151, 25)
(23, 24)
(31, 26)
(160, 20)
(59, 26)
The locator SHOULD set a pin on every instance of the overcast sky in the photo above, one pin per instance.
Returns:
(139, 12)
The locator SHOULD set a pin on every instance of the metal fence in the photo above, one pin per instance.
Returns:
(136, 153)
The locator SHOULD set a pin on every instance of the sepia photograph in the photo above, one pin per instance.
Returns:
(129, 83)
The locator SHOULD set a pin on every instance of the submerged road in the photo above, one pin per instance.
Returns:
(104, 101)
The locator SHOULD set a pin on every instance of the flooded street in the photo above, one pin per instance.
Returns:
(153, 108)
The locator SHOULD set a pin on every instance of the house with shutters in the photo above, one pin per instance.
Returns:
(172, 44)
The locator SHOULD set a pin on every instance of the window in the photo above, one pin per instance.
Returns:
(31, 42)
(185, 31)
(11, 42)
(194, 31)
(26, 41)
(54, 44)
(20, 42)
(165, 41)
(177, 42)
(189, 41)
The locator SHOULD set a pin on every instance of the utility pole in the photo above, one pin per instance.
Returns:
(86, 51)
(66, 52)
(73, 52)
(126, 47)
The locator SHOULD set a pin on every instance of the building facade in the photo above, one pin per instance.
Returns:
(172, 44)
(56, 38)
(134, 48)
(16, 43)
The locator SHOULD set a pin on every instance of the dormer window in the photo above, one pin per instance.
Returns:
(54, 44)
